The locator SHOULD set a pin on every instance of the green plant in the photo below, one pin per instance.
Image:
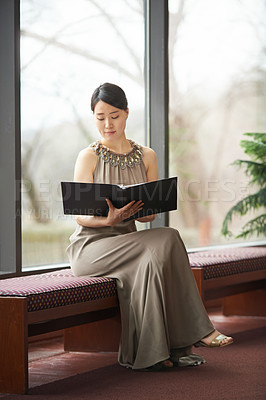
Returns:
(255, 168)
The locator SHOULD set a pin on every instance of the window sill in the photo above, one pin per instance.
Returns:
(228, 246)
(35, 269)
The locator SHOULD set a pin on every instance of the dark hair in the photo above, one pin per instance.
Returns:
(110, 94)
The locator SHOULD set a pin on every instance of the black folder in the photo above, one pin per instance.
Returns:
(89, 198)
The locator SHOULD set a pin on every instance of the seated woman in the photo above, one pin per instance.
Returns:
(162, 313)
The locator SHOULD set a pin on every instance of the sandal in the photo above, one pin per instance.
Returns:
(216, 342)
(190, 361)
(183, 357)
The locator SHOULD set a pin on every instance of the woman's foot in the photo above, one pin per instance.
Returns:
(167, 363)
(160, 366)
(215, 339)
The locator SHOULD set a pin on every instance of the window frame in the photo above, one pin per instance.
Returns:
(10, 210)
(156, 121)
(157, 88)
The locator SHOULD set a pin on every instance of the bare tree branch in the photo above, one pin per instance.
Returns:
(30, 156)
(83, 53)
(135, 9)
(239, 90)
(55, 36)
(119, 34)
(82, 127)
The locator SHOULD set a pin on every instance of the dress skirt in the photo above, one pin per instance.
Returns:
(161, 309)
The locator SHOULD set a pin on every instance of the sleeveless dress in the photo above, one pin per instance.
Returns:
(161, 309)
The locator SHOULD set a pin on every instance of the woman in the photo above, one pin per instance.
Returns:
(161, 311)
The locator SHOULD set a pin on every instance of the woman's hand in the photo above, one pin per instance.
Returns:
(148, 218)
(116, 215)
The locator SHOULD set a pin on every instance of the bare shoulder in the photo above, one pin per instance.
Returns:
(149, 156)
(87, 155)
(150, 162)
(87, 152)
(147, 151)
(85, 164)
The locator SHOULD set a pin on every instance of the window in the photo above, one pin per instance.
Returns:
(68, 48)
(217, 92)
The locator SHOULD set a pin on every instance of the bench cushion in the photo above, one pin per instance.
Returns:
(58, 288)
(228, 261)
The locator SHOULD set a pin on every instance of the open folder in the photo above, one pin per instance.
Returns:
(89, 198)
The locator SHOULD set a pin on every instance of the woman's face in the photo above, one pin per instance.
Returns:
(110, 121)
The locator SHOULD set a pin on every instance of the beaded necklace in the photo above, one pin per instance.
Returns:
(122, 160)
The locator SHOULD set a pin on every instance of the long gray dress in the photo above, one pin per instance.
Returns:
(161, 309)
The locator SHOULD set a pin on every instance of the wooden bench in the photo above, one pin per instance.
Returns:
(237, 275)
(37, 304)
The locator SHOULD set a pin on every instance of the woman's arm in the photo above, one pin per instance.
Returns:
(84, 169)
(150, 162)
(83, 172)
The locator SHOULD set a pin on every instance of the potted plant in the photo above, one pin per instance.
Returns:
(255, 169)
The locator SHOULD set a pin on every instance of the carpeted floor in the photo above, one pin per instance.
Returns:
(236, 372)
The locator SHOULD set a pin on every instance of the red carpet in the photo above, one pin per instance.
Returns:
(234, 372)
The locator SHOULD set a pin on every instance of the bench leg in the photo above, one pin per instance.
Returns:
(199, 278)
(94, 337)
(13, 345)
(246, 304)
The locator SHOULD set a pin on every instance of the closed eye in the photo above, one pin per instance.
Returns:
(115, 117)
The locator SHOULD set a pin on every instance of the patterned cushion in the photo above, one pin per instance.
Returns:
(57, 288)
(229, 261)
(61, 288)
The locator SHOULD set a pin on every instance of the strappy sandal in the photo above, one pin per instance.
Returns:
(190, 360)
(216, 342)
